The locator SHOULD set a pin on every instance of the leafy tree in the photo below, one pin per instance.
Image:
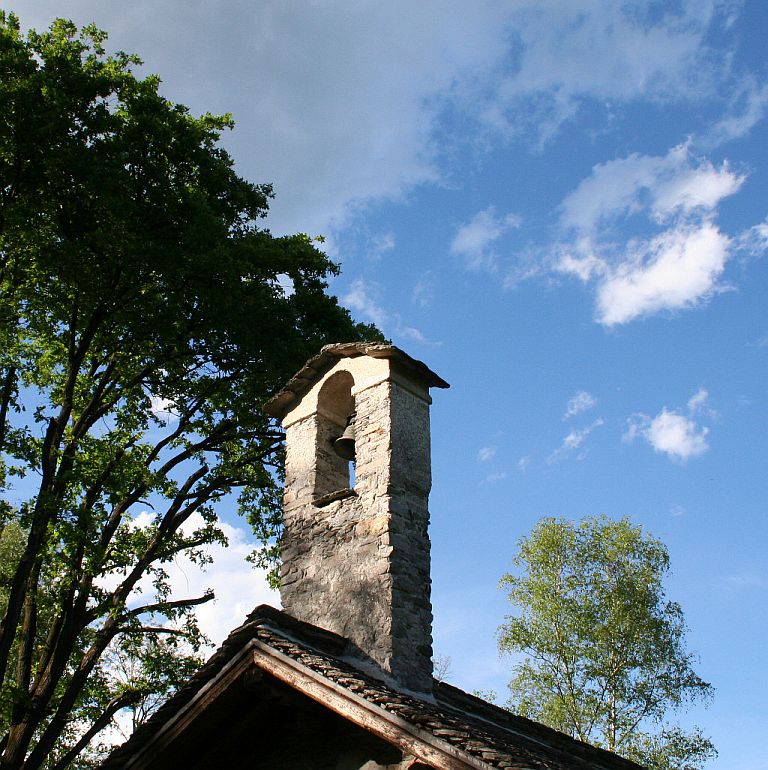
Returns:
(604, 649)
(143, 323)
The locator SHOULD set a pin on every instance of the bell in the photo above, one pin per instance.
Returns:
(344, 445)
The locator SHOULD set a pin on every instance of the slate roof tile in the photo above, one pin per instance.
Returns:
(495, 736)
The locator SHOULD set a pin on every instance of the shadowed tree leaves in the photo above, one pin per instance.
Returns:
(143, 323)
(603, 649)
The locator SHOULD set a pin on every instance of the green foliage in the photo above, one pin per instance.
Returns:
(12, 539)
(143, 324)
(604, 655)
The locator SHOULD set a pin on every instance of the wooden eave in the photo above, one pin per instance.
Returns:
(256, 655)
(408, 737)
(184, 717)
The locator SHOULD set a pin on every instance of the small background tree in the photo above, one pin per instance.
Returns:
(604, 649)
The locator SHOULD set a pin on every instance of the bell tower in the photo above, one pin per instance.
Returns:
(356, 548)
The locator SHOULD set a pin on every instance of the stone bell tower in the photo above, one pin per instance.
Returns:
(356, 548)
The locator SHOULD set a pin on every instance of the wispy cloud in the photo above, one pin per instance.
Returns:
(602, 50)
(744, 580)
(492, 478)
(754, 240)
(670, 432)
(748, 106)
(361, 299)
(574, 442)
(523, 463)
(423, 291)
(580, 402)
(474, 240)
(698, 403)
(380, 244)
(486, 453)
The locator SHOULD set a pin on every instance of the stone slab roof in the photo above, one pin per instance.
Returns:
(318, 365)
(463, 725)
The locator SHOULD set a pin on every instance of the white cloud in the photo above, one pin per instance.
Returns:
(335, 103)
(474, 240)
(338, 103)
(411, 333)
(285, 282)
(675, 183)
(237, 586)
(492, 478)
(678, 436)
(163, 409)
(690, 188)
(486, 453)
(573, 441)
(580, 402)
(141, 520)
(611, 190)
(523, 463)
(679, 267)
(583, 268)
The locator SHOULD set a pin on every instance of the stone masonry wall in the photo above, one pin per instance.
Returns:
(359, 566)
(408, 495)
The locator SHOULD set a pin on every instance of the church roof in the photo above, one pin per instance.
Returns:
(318, 365)
(450, 728)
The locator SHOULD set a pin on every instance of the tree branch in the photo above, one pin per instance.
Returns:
(125, 700)
(162, 606)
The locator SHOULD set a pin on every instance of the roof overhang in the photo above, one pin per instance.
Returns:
(257, 656)
(279, 405)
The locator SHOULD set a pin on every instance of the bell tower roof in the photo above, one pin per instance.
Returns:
(278, 406)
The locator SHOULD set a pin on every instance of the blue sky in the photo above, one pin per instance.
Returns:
(560, 206)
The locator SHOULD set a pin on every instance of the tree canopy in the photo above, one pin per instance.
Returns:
(145, 317)
(601, 650)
